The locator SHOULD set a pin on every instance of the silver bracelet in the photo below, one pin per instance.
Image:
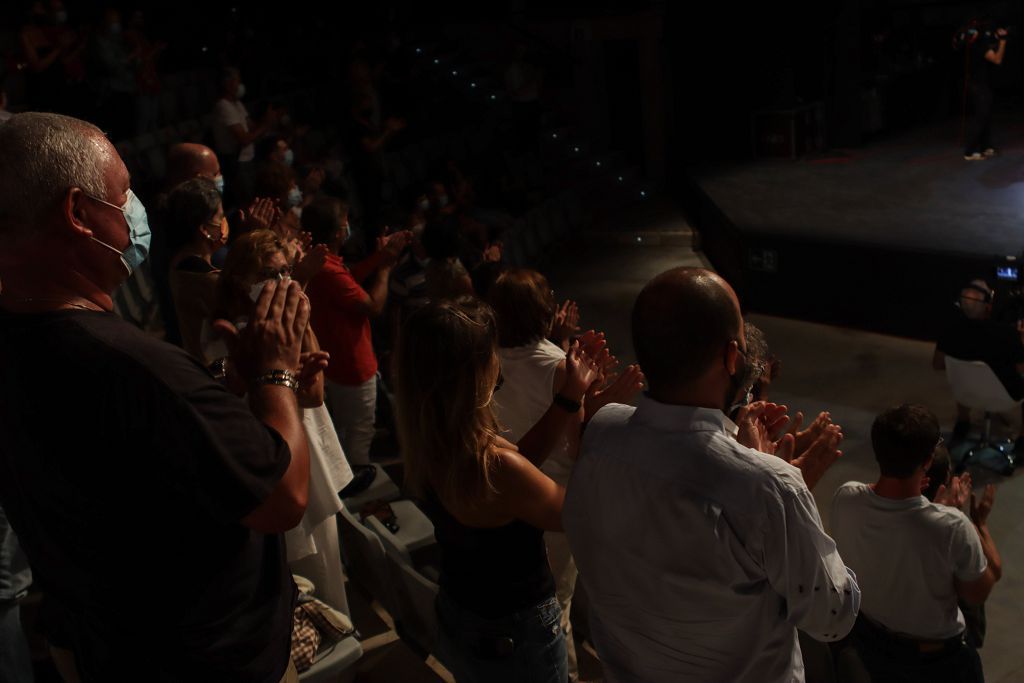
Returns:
(281, 378)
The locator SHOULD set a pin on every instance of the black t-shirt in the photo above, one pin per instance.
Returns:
(125, 470)
(981, 68)
(999, 345)
(194, 264)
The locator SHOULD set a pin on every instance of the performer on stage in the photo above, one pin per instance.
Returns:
(985, 50)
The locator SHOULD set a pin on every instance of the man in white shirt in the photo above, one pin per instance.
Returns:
(234, 132)
(701, 552)
(913, 558)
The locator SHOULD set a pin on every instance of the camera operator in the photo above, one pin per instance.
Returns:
(975, 335)
(985, 50)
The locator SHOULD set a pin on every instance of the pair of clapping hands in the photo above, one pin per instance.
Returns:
(272, 338)
(958, 493)
(590, 374)
(767, 427)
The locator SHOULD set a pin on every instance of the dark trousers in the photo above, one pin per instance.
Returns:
(888, 658)
(978, 137)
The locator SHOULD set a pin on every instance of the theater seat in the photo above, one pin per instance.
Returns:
(974, 384)
(363, 555)
(415, 531)
(415, 617)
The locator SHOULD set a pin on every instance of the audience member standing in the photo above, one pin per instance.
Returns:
(234, 134)
(196, 228)
(490, 504)
(119, 448)
(533, 374)
(701, 551)
(913, 558)
(343, 302)
(314, 552)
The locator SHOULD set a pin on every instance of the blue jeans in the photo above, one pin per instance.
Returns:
(525, 647)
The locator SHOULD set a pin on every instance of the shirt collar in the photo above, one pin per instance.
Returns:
(682, 418)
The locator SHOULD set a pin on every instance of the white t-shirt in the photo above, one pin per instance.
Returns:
(700, 557)
(906, 554)
(226, 114)
(526, 393)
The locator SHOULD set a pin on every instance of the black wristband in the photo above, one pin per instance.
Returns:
(567, 404)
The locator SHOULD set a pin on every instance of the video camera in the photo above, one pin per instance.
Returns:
(1008, 299)
(979, 29)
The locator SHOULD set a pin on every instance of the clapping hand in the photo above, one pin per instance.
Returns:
(804, 438)
(614, 388)
(567, 319)
(819, 456)
(957, 493)
(758, 424)
(310, 263)
(391, 245)
(273, 338)
(262, 214)
(813, 450)
(581, 371)
(311, 364)
(980, 510)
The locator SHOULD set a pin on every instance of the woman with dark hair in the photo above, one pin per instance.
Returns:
(489, 502)
(196, 228)
(343, 302)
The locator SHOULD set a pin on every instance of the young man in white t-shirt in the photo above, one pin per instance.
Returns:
(234, 132)
(913, 558)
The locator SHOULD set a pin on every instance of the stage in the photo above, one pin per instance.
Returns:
(879, 237)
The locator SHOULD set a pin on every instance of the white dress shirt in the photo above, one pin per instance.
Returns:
(700, 556)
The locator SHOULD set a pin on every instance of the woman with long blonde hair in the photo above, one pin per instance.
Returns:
(490, 504)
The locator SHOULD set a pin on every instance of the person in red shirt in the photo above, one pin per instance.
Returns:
(343, 300)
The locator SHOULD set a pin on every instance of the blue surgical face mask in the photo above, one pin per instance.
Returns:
(219, 184)
(289, 156)
(294, 197)
(138, 232)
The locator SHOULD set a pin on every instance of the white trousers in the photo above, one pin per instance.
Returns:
(353, 410)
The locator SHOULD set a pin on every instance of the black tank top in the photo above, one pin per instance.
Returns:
(494, 571)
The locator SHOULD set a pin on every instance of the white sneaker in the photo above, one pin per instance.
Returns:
(974, 157)
(990, 152)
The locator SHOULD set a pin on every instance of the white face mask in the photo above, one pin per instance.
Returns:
(241, 90)
(257, 289)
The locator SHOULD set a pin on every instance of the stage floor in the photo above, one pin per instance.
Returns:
(909, 191)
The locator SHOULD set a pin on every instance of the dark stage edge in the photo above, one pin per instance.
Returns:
(878, 238)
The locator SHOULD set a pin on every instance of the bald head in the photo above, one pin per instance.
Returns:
(682, 322)
(42, 156)
(187, 160)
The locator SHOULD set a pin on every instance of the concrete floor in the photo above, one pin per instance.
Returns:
(850, 373)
